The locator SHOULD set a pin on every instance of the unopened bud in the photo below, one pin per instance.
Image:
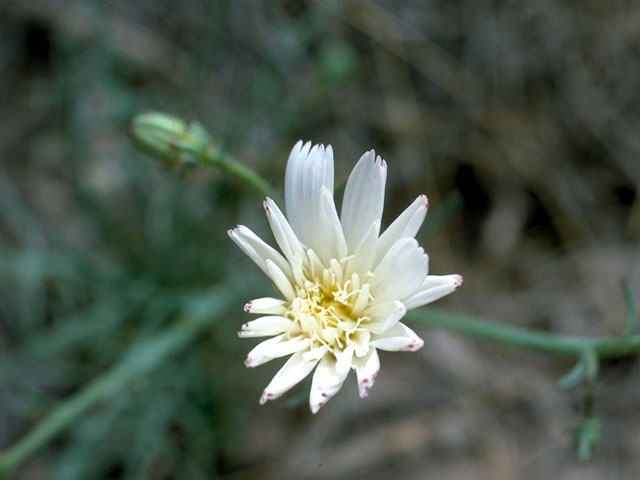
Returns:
(169, 138)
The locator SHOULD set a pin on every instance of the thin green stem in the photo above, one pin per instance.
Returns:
(141, 359)
(219, 159)
(524, 337)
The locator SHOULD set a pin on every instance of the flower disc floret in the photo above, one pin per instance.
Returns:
(330, 310)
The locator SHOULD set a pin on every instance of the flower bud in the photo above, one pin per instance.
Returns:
(169, 138)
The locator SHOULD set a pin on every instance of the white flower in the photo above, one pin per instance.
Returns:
(344, 285)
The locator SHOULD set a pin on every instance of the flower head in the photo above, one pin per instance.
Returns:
(344, 285)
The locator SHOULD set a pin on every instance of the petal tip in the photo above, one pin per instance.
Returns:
(329, 151)
(297, 148)
(242, 333)
(268, 395)
(315, 407)
(364, 387)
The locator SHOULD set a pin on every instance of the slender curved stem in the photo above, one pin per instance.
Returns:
(142, 359)
(524, 337)
(215, 157)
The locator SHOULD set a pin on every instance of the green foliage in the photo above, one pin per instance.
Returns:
(96, 344)
(338, 63)
(587, 436)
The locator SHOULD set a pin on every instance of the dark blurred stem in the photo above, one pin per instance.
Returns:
(521, 337)
(141, 360)
(222, 161)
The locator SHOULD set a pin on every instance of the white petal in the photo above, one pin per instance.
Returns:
(328, 240)
(378, 311)
(405, 226)
(293, 181)
(400, 272)
(282, 231)
(265, 327)
(266, 305)
(280, 280)
(343, 360)
(309, 169)
(327, 381)
(291, 373)
(363, 198)
(275, 347)
(433, 288)
(398, 338)
(362, 260)
(360, 341)
(298, 267)
(315, 264)
(258, 250)
(315, 353)
(362, 300)
(385, 316)
(293, 177)
(367, 369)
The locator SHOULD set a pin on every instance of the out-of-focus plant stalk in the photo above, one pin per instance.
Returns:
(142, 359)
(521, 337)
(180, 144)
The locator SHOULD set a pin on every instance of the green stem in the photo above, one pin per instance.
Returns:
(141, 360)
(218, 159)
(524, 337)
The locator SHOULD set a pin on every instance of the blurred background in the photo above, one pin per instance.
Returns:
(521, 122)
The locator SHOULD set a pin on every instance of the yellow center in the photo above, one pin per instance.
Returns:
(330, 310)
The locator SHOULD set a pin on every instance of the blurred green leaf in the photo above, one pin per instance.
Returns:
(587, 437)
(140, 360)
(338, 63)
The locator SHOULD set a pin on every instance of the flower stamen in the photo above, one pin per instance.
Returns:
(328, 310)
